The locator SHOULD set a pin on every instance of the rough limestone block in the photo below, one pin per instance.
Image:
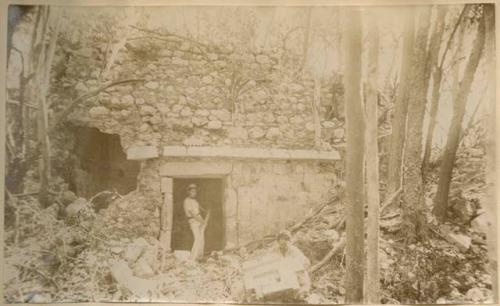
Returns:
(207, 79)
(186, 112)
(142, 153)
(73, 208)
(98, 111)
(463, 242)
(201, 113)
(481, 223)
(257, 132)
(274, 133)
(262, 59)
(199, 121)
(179, 61)
(238, 133)
(152, 85)
(123, 275)
(214, 125)
(339, 133)
(81, 87)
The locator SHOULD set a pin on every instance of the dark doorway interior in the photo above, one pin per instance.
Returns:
(100, 164)
(210, 196)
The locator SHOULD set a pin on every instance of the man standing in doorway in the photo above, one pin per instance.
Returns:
(196, 222)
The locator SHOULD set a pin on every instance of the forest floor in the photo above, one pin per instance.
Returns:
(70, 259)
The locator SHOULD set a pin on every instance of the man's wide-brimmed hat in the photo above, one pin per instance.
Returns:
(192, 186)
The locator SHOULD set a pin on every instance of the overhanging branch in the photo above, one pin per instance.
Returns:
(93, 93)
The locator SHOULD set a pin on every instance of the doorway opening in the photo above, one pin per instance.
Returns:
(210, 197)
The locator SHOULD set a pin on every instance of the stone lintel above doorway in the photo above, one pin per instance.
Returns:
(195, 169)
(249, 153)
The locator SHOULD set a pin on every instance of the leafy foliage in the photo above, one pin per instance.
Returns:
(430, 270)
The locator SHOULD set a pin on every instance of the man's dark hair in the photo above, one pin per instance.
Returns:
(284, 235)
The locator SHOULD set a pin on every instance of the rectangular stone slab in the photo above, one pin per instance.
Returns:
(249, 153)
(195, 169)
(142, 153)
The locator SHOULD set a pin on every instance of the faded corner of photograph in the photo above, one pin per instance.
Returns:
(250, 154)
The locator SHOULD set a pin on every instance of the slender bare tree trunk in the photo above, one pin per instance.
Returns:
(435, 43)
(305, 45)
(491, 208)
(413, 206)
(355, 157)
(437, 77)
(372, 175)
(30, 68)
(401, 108)
(455, 129)
(44, 66)
(131, 20)
(315, 110)
(37, 87)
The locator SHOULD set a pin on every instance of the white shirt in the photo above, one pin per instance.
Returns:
(191, 207)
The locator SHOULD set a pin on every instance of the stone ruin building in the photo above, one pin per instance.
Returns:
(240, 125)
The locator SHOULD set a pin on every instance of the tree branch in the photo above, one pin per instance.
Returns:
(74, 103)
(337, 248)
(12, 101)
(53, 281)
(450, 39)
(389, 200)
(168, 34)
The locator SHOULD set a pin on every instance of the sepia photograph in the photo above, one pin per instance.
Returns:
(250, 154)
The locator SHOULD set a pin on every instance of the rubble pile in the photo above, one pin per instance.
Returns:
(142, 274)
(132, 216)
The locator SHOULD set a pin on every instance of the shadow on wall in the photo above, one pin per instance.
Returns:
(101, 164)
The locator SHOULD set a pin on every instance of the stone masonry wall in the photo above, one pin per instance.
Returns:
(194, 94)
(261, 197)
(189, 94)
(272, 195)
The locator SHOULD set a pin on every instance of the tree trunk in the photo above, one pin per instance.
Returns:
(413, 206)
(305, 46)
(401, 108)
(491, 208)
(436, 81)
(372, 175)
(315, 110)
(110, 61)
(354, 158)
(30, 69)
(43, 82)
(455, 129)
(436, 85)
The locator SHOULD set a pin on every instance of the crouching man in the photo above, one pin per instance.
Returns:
(288, 251)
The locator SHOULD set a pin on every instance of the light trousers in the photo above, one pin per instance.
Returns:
(199, 239)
